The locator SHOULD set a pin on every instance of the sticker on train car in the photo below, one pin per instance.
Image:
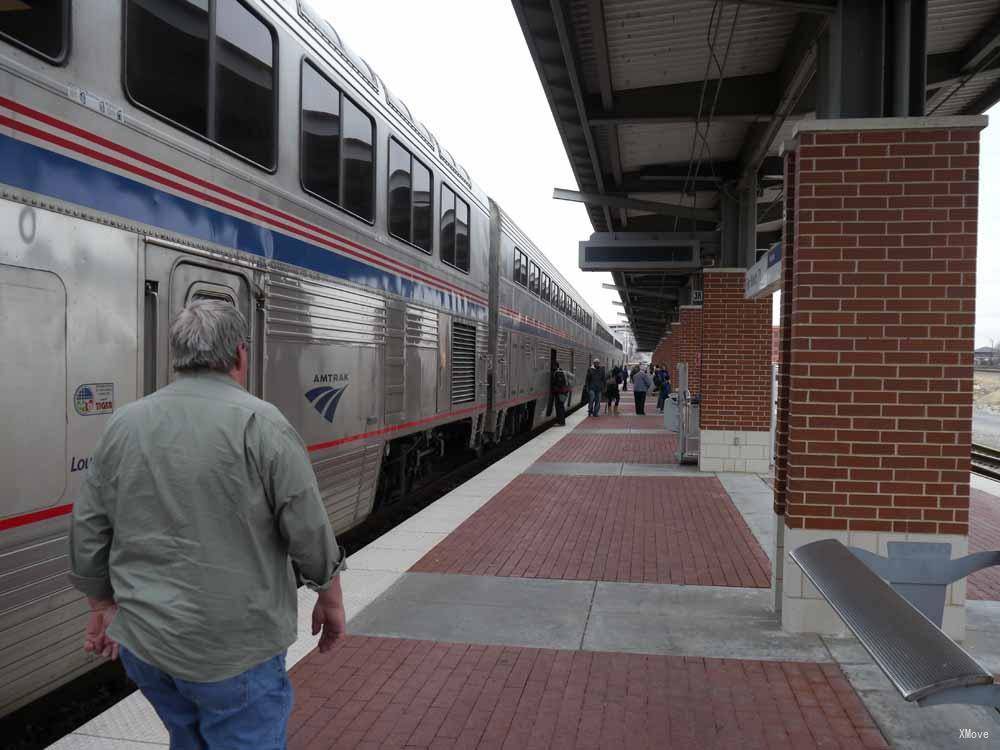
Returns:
(94, 398)
(325, 399)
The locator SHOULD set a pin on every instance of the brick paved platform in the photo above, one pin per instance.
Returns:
(621, 422)
(599, 528)
(393, 693)
(633, 449)
(984, 534)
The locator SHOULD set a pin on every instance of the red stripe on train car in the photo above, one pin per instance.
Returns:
(35, 517)
(62, 510)
(332, 240)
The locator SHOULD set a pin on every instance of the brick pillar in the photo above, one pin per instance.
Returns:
(735, 376)
(690, 350)
(880, 385)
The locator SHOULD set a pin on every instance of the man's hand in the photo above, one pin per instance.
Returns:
(96, 641)
(329, 615)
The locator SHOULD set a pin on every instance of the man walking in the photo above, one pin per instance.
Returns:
(198, 500)
(641, 383)
(594, 384)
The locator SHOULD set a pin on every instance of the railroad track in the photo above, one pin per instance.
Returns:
(986, 461)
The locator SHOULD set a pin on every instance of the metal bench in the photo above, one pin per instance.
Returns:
(893, 622)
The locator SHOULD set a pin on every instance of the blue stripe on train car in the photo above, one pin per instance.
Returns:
(39, 170)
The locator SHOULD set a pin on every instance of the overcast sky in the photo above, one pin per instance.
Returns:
(463, 69)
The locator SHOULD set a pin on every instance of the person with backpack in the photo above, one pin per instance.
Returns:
(560, 387)
(612, 396)
(595, 382)
(641, 383)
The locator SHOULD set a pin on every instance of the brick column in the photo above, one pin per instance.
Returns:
(880, 378)
(689, 349)
(735, 375)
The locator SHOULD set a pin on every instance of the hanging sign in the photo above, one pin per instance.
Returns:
(764, 276)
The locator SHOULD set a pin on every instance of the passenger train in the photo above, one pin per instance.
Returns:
(153, 152)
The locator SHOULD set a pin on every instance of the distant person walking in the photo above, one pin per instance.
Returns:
(594, 384)
(612, 396)
(198, 500)
(664, 377)
(560, 388)
(641, 383)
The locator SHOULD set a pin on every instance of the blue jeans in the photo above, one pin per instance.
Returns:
(594, 406)
(249, 710)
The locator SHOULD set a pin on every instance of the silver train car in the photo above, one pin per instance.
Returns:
(153, 152)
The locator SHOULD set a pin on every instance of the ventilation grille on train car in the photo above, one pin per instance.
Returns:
(463, 363)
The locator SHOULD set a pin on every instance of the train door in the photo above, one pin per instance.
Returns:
(175, 278)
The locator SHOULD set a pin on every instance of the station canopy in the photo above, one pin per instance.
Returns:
(673, 112)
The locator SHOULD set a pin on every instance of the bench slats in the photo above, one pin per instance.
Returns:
(915, 655)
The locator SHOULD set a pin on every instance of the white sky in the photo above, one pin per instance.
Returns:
(463, 69)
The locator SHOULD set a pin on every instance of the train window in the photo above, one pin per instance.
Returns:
(423, 219)
(409, 197)
(39, 26)
(520, 268)
(534, 278)
(358, 151)
(337, 161)
(447, 224)
(546, 286)
(168, 48)
(400, 194)
(454, 230)
(244, 83)
(462, 247)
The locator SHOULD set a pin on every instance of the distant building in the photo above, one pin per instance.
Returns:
(986, 356)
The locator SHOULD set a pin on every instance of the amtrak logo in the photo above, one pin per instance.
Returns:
(325, 399)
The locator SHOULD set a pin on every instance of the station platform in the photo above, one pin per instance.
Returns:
(587, 591)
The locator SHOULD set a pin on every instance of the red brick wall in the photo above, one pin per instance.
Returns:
(736, 372)
(882, 330)
(689, 347)
(775, 344)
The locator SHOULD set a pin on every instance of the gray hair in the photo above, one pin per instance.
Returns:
(206, 335)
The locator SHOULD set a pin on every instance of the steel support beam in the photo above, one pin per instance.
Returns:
(640, 292)
(823, 7)
(619, 201)
(729, 252)
(748, 227)
(952, 69)
(742, 99)
(600, 42)
(906, 57)
(852, 62)
(794, 75)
